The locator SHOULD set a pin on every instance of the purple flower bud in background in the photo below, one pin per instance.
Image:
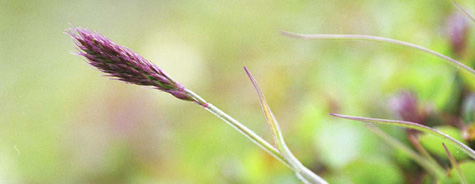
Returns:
(457, 30)
(406, 106)
(122, 63)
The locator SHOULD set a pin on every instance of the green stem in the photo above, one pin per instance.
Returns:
(303, 173)
(238, 126)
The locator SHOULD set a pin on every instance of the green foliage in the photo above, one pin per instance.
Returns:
(433, 144)
(364, 171)
(468, 168)
(61, 122)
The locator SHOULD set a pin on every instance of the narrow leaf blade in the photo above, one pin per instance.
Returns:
(277, 134)
(301, 171)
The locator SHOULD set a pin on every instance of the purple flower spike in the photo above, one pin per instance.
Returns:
(122, 63)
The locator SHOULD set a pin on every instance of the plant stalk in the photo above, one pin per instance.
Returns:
(238, 126)
(302, 172)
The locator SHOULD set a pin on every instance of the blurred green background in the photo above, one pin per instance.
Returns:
(61, 122)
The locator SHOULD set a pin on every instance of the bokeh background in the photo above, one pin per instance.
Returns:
(61, 122)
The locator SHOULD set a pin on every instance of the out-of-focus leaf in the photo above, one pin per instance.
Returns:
(468, 169)
(468, 108)
(427, 164)
(470, 132)
(365, 171)
(455, 165)
(432, 144)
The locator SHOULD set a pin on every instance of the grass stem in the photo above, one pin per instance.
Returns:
(378, 39)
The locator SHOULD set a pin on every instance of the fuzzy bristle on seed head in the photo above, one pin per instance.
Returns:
(122, 63)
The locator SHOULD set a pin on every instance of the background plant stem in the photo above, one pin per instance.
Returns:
(379, 39)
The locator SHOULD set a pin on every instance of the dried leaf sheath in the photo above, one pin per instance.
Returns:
(122, 63)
